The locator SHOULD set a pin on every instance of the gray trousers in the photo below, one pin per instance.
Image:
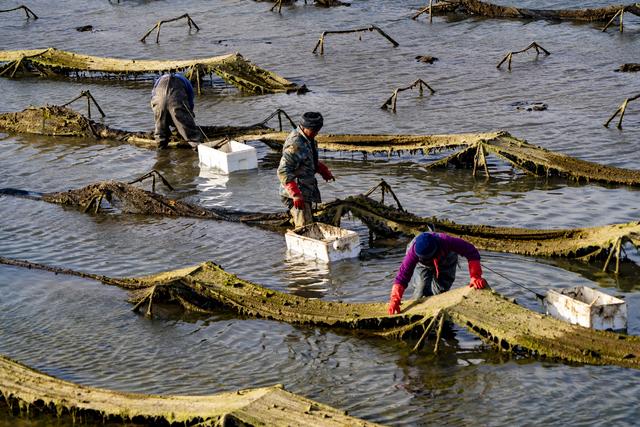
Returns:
(170, 108)
(424, 281)
(299, 217)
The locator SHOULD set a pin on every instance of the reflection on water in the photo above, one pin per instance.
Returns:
(82, 331)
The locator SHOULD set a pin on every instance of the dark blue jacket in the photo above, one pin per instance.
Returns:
(187, 85)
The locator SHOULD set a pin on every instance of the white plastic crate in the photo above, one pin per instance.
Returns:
(323, 242)
(230, 157)
(587, 307)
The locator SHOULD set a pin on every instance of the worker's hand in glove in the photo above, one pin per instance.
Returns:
(296, 194)
(324, 171)
(478, 283)
(396, 297)
(475, 271)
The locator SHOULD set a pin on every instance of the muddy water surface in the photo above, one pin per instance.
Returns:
(84, 332)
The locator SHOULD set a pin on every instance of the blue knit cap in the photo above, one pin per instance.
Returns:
(426, 245)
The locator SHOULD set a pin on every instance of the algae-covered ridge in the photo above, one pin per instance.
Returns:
(208, 288)
(232, 68)
(604, 243)
(470, 150)
(28, 391)
(490, 10)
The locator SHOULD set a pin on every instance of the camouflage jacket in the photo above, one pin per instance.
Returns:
(299, 162)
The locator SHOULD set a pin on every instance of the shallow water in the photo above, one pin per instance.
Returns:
(82, 331)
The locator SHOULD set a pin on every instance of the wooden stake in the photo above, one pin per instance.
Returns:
(430, 11)
(439, 334)
(190, 22)
(619, 14)
(621, 110)
(320, 43)
(27, 11)
(614, 246)
(509, 55)
(153, 175)
(393, 99)
(426, 331)
(277, 4)
(90, 98)
(279, 112)
(480, 159)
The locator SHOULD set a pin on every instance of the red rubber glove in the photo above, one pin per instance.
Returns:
(324, 171)
(296, 194)
(475, 271)
(396, 296)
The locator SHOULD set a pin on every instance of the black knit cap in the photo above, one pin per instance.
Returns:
(312, 120)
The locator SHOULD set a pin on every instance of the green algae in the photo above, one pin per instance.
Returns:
(501, 322)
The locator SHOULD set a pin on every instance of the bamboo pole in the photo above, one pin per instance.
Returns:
(509, 55)
(621, 110)
(320, 43)
(190, 22)
(619, 14)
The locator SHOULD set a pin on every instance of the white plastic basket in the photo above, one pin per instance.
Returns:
(587, 307)
(323, 242)
(230, 157)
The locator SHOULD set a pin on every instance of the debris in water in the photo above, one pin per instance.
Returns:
(628, 68)
(529, 106)
(427, 59)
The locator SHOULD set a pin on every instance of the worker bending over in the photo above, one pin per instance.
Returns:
(298, 165)
(434, 257)
(172, 104)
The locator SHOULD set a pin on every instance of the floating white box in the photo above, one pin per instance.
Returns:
(587, 307)
(323, 242)
(230, 157)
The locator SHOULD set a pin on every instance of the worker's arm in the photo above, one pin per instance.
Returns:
(402, 280)
(289, 163)
(469, 251)
(325, 172)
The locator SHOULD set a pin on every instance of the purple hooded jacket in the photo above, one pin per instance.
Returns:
(446, 244)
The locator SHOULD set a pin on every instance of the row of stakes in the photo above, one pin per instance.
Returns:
(391, 102)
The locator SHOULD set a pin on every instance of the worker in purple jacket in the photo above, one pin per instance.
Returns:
(434, 256)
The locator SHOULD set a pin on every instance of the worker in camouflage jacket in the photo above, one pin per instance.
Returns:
(297, 169)
(172, 103)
